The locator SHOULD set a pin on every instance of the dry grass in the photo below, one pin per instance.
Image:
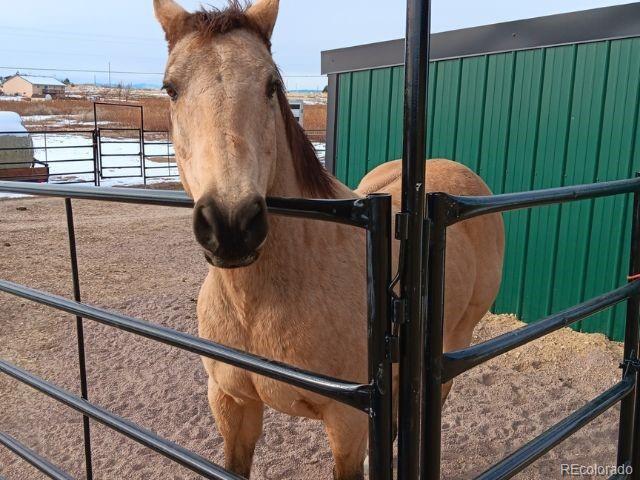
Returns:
(315, 118)
(65, 106)
(156, 112)
(70, 112)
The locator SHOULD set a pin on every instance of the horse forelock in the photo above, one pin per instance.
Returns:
(311, 176)
(208, 23)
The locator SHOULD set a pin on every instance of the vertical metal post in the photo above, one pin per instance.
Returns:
(432, 373)
(142, 155)
(96, 146)
(80, 336)
(629, 433)
(98, 159)
(46, 154)
(168, 155)
(410, 231)
(379, 329)
(332, 123)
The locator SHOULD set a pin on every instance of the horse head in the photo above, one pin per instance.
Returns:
(229, 115)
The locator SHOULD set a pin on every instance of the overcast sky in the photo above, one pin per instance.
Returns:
(88, 34)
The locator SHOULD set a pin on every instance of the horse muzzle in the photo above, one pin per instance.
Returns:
(231, 238)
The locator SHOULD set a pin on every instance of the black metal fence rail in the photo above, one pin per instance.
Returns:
(145, 437)
(372, 214)
(525, 456)
(354, 212)
(353, 394)
(459, 361)
(446, 210)
(159, 164)
(28, 455)
(80, 153)
(155, 156)
(464, 208)
(111, 162)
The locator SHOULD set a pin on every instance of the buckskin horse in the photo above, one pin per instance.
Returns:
(288, 289)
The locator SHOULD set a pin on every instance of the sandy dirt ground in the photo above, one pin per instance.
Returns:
(142, 261)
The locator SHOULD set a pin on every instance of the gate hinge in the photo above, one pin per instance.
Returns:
(393, 348)
(402, 226)
(399, 311)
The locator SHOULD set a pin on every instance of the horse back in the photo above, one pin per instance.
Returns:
(475, 248)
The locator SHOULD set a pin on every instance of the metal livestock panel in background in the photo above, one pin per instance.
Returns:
(555, 110)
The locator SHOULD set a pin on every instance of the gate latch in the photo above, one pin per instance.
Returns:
(398, 317)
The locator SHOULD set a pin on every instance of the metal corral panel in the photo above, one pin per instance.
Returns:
(526, 119)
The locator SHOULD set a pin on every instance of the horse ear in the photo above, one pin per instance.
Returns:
(172, 18)
(264, 13)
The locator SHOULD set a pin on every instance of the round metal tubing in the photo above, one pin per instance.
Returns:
(145, 437)
(353, 394)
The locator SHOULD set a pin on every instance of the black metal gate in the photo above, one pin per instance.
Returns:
(373, 214)
(406, 329)
(120, 150)
(424, 367)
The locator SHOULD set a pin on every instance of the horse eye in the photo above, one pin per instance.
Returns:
(171, 91)
(272, 87)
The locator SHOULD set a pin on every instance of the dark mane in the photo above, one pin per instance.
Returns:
(311, 176)
(217, 21)
(314, 179)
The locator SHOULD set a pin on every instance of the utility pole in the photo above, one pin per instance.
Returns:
(109, 74)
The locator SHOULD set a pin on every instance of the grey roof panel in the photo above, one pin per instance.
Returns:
(619, 21)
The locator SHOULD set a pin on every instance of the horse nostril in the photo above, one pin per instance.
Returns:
(205, 226)
(253, 224)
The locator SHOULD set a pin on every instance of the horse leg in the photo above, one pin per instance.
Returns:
(347, 432)
(240, 424)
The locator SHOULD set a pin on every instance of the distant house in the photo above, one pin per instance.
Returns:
(297, 108)
(31, 86)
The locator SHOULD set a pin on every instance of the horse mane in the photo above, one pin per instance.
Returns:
(217, 21)
(312, 177)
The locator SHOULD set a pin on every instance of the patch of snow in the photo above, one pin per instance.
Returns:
(71, 160)
(35, 80)
(40, 118)
(72, 120)
(4, 196)
(11, 124)
(321, 151)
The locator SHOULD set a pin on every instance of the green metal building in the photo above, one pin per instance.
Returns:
(530, 104)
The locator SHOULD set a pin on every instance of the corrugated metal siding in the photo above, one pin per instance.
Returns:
(528, 119)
